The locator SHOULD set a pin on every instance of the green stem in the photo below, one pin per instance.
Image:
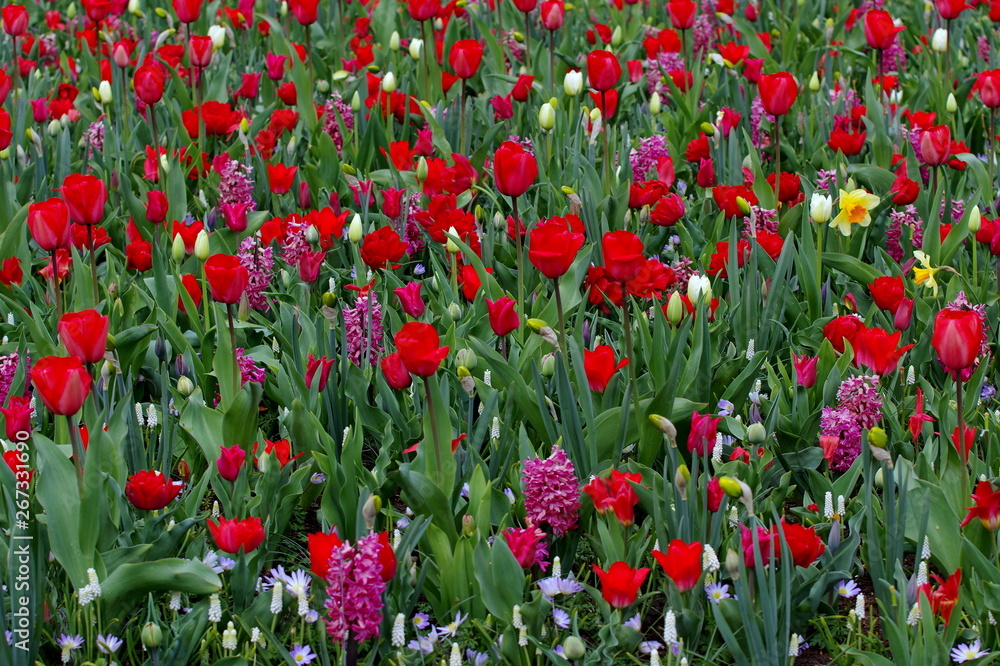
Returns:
(57, 293)
(559, 308)
(93, 262)
(627, 325)
(232, 342)
(77, 444)
(461, 116)
(520, 260)
(436, 444)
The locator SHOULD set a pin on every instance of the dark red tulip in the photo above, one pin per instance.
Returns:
(526, 5)
(230, 461)
(48, 222)
(465, 56)
(321, 546)
(306, 12)
(880, 31)
(85, 196)
(6, 136)
(422, 10)
(957, 339)
(227, 278)
(396, 374)
(620, 583)
(503, 315)
(62, 383)
(904, 314)
(681, 563)
(320, 367)
(887, 292)
(85, 334)
(514, 169)
(280, 177)
(149, 81)
(603, 70)
(17, 418)
(777, 92)
(386, 557)
(232, 536)
(280, 450)
(701, 438)
(623, 255)
(419, 349)
(600, 366)
(410, 300)
(382, 248)
(150, 490)
(805, 370)
(841, 329)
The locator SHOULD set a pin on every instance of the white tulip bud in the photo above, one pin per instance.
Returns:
(547, 117)
(655, 106)
(699, 289)
(573, 83)
(939, 41)
(416, 47)
(394, 41)
(355, 232)
(389, 82)
(104, 90)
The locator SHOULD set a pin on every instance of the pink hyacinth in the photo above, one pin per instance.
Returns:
(335, 112)
(363, 324)
(249, 371)
(552, 492)
(259, 262)
(236, 183)
(354, 590)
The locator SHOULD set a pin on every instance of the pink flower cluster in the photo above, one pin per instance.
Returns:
(860, 407)
(552, 492)
(363, 324)
(354, 591)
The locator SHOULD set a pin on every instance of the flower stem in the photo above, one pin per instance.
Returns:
(520, 259)
(77, 444)
(562, 323)
(93, 262)
(627, 325)
(232, 342)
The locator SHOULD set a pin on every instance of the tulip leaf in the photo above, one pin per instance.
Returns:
(57, 493)
(133, 580)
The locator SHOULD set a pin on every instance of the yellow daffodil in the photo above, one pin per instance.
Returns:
(855, 208)
(925, 274)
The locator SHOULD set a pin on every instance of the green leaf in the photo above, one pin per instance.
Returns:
(172, 574)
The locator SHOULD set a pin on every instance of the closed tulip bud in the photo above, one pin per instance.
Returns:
(356, 102)
(185, 386)
(666, 426)
(756, 433)
(733, 564)
(682, 476)
(951, 104)
(573, 83)
(730, 486)
(975, 219)
(616, 37)
(96, 93)
(323, 86)
(880, 478)
(814, 82)
(416, 46)
(201, 246)
(820, 208)
(574, 648)
(389, 82)
(743, 205)
(675, 308)
(177, 249)
(655, 106)
(499, 222)
(104, 90)
(548, 365)
(708, 129)
(164, 164)
(312, 235)
(371, 509)
(438, 23)
(151, 635)
(54, 127)
(699, 289)
(374, 69)
(355, 232)
(455, 311)
(422, 169)
(243, 311)
(939, 41)
(519, 37)
(547, 117)
(877, 437)
(5, 154)
(71, 11)
(595, 115)
(468, 525)
(467, 358)
(283, 10)
(329, 299)
(450, 244)
(218, 35)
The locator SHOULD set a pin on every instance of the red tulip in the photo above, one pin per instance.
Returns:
(85, 196)
(623, 255)
(280, 450)
(682, 13)
(227, 278)
(230, 461)
(957, 338)
(150, 490)
(310, 263)
(904, 314)
(156, 206)
(986, 508)
(804, 544)
(599, 366)
(280, 177)
(321, 546)
(963, 442)
(523, 544)
(17, 419)
(777, 92)
(944, 597)
(553, 248)
(465, 56)
(988, 85)
(503, 315)
(839, 329)
(382, 248)
(526, 6)
(17, 461)
(701, 438)
(386, 557)
(410, 300)
(11, 272)
(187, 11)
(85, 334)
(805, 370)
(200, 51)
(514, 169)
(935, 145)
(620, 583)
(396, 374)
(422, 10)
(15, 20)
(918, 418)
(305, 11)
(681, 563)
(321, 365)
(603, 70)
(880, 31)
(951, 9)
(419, 349)
(6, 136)
(849, 143)
(62, 383)
(233, 536)
(48, 222)
(887, 292)
(553, 14)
